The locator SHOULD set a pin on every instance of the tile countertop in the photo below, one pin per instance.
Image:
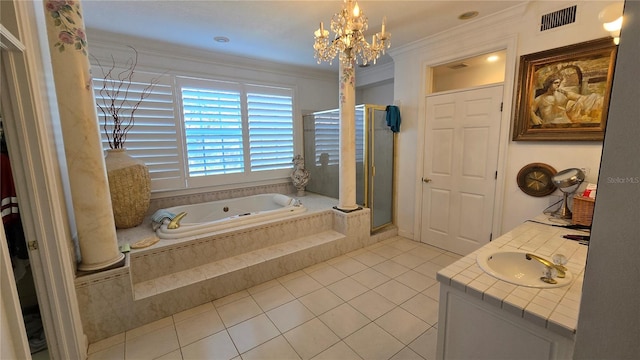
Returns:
(554, 308)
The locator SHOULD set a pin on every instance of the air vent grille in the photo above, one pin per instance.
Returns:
(558, 18)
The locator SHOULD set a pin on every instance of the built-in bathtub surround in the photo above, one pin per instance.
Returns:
(212, 216)
(175, 275)
(84, 157)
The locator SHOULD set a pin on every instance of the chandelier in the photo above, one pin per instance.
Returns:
(349, 26)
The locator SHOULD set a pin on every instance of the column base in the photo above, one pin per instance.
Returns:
(347, 210)
(110, 264)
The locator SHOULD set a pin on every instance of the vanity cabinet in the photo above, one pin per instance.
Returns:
(469, 328)
(482, 317)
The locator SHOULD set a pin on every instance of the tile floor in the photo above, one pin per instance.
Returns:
(379, 302)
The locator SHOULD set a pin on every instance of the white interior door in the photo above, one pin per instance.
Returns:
(460, 164)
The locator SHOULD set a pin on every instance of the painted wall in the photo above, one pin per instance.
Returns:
(516, 29)
(609, 322)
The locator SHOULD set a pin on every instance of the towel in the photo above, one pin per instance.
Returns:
(158, 218)
(393, 118)
(282, 200)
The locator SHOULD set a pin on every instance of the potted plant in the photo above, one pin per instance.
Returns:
(129, 179)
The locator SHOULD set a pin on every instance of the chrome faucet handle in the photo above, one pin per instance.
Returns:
(559, 260)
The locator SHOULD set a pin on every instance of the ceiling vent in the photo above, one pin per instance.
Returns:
(558, 18)
(457, 66)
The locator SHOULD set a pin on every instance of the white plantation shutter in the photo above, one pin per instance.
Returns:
(270, 117)
(213, 131)
(327, 135)
(153, 138)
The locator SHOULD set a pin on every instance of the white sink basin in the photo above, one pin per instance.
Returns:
(512, 266)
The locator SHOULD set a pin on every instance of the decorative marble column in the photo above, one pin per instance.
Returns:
(347, 169)
(80, 130)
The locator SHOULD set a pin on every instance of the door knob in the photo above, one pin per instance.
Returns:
(426, 180)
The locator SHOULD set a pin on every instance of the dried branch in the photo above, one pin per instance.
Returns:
(114, 101)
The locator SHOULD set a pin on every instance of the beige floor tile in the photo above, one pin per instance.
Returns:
(390, 268)
(403, 325)
(372, 304)
(348, 265)
(216, 346)
(429, 269)
(409, 260)
(427, 252)
(239, 311)
(372, 342)
(262, 287)
(387, 251)
(198, 326)
(446, 259)
(321, 301)
(301, 285)
(106, 343)
(192, 312)
(290, 315)
(426, 344)
(347, 288)
(174, 355)
(344, 320)
(370, 278)
(152, 345)
(404, 244)
(253, 332)
(275, 349)
(147, 328)
(369, 258)
(339, 351)
(407, 354)
(230, 298)
(311, 338)
(433, 291)
(395, 291)
(273, 297)
(327, 275)
(115, 352)
(423, 307)
(416, 281)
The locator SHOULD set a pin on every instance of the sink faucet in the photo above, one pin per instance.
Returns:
(559, 268)
(175, 222)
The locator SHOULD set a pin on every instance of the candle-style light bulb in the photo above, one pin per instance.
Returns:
(356, 10)
(384, 23)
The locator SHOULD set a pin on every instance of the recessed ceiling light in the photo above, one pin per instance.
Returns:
(221, 39)
(468, 15)
(493, 58)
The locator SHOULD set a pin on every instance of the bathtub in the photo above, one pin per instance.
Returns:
(226, 214)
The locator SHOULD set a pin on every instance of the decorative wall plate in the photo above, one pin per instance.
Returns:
(535, 179)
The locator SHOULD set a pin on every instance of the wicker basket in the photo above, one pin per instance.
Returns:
(582, 210)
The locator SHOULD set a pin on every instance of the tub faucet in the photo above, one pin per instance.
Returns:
(297, 202)
(175, 222)
(559, 268)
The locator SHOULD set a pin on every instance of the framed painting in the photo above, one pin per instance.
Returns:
(563, 93)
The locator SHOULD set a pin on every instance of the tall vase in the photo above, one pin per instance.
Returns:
(130, 187)
(300, 175)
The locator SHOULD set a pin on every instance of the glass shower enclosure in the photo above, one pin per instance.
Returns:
(375, 148)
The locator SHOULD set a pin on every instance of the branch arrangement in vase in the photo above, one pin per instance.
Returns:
(114, 99)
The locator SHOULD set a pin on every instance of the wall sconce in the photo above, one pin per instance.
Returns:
(611, 19)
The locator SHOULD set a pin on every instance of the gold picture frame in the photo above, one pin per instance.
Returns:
(563, 93)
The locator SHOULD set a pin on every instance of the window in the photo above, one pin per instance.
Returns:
(327, 136)
(194, 132)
